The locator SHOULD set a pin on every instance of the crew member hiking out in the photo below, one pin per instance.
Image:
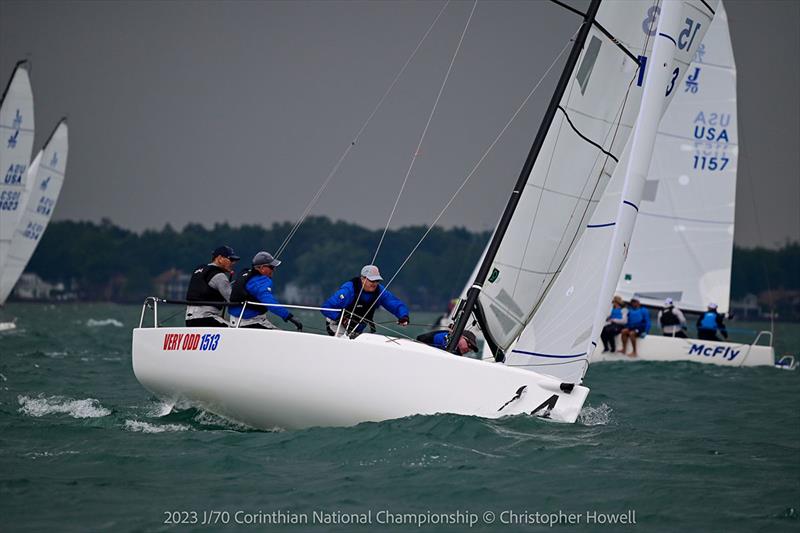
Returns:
(708, 324)
(359, 298)
(255, 285)
(211, 283)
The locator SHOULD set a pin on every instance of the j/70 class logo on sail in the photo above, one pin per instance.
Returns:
(191, 341)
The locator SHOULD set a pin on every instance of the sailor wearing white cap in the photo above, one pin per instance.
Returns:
(708, 324)
(672, 320)
(359, 298)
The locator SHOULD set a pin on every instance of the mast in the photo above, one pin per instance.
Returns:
(657, 78)
(474, 291)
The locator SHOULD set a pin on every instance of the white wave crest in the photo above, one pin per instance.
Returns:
(145, 427)
(41, 406)
(210, 419)
(92, 323)
(159, 409)
(595, 416)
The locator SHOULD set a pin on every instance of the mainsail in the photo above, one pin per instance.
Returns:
(559, 336)
(580, 153)
(683, 243)
(16, 145)
(47, 176)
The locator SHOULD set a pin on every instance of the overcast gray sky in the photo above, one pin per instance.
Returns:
(209, 111)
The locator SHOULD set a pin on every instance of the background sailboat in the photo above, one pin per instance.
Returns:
(16, 145)
(683, 243)
(45, 177)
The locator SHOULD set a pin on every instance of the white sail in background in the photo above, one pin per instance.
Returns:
(572, 170)
(558, 338)
(683, 243)
(47, 175)
(16, 145)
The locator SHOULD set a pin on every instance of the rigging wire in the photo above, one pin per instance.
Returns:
(350, 146)
(419, 147)
(758, 230)
(478, 164)
(425, 131)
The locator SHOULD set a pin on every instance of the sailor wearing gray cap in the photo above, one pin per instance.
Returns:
(359, 298)
(255, 285)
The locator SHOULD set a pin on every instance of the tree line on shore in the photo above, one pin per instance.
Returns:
(111, 263)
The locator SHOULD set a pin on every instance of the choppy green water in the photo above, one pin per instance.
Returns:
(688, 447)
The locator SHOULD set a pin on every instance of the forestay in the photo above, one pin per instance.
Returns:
(560, 334)
(47, 176)
(573, 168)
(682, 246)
(16, 145)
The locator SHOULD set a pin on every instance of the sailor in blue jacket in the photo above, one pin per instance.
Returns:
(255, 285)
(638, 326)
(359, 298)
(708, 324)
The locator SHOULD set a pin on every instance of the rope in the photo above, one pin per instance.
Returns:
(335, 169)
(475, 168)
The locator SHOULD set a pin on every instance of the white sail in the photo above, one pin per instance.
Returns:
(683, 243)
(559, 338)
(47, 175)
(574, 166)
(16, 145)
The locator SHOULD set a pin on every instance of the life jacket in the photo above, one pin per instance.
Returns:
(636, 317)
(668, 318)
(709, 320)
(358, 306)
(239, 292)
(616, 313)
(199, 290)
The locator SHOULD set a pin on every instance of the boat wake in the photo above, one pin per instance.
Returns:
(92, 323)
(43, 406)
(595, 416)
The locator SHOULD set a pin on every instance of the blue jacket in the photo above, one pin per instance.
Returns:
(639, 318)
(347, 295)
(616, 312)
(261, 288)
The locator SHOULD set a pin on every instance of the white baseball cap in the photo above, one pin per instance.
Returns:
(668, 302)
(371, 272)
(712, 305)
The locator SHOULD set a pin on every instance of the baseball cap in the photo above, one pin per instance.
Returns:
(225, 251)
(668, 302)
(473, 342)
(265, 258)
(371, 272)
(712, 305)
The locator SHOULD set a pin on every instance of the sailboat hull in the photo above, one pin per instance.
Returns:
(276, 378)
(659, 348)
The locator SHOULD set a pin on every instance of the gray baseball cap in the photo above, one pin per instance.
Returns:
(371, 272)
(265, 258)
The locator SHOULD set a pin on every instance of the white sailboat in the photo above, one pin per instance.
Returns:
(536, 259)
(683, 243)
(16, 145)
(45, 177)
